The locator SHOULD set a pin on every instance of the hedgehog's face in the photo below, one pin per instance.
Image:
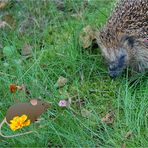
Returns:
(118, 57)
(116, 50)
(116, 66)
(117, 61)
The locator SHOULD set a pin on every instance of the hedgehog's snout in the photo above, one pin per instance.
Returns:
(114, 70)
(116, 67)
(114, 74)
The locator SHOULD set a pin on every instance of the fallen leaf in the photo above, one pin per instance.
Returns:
(59, 4)
(44, 66)
(128, 134)
(12, 88)
(86, 113)
(80, 102)
(3, 4)
(4, 24)
(61, 82)
(26, 50)
(86, 37)
(86, 3)
(9, 19)
(27, 25)
(108, 119)
(24, 88)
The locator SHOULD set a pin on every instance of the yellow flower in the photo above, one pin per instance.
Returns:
(18, 122)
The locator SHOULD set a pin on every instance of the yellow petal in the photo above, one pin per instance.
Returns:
(23, 118)
(13, 122)
(20, 126)
(13, 127)
(15, 119)
(27, 123)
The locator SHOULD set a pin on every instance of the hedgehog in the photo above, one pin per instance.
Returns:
(124, 38)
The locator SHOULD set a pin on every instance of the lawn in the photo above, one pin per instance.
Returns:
(40, 45)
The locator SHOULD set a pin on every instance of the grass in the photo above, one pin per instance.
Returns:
(53, 34)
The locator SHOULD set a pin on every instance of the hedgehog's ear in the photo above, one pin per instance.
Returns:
(34, 102)
(128, 40)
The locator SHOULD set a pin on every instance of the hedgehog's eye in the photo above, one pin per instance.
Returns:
(122, 57)
(129, 40)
